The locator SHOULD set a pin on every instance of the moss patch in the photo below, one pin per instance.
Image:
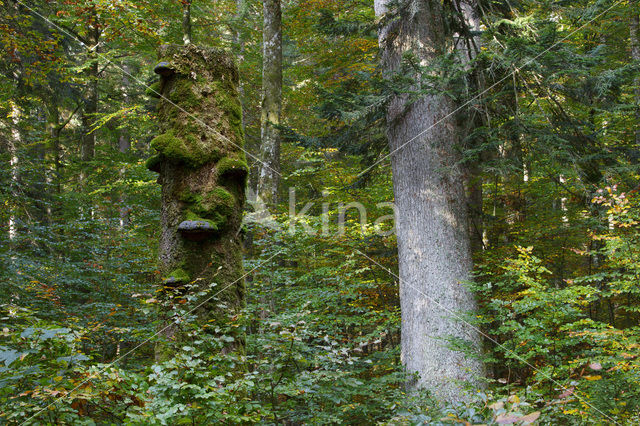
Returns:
(189, 150)
(232, 166)
(153, 91)
(215, 221)
(215, 206)
(179, 275)
(182, 93)
(153, 163)
(219, 200)
(182, 58)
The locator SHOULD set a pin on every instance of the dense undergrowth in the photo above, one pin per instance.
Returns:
(554, 157)
(321, 326)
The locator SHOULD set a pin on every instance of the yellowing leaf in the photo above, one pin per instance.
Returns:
(593, 378)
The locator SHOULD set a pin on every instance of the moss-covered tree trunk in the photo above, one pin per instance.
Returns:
(203, 174)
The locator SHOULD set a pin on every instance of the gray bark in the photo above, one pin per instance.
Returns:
(124, 139)
(13, 144)
(432, 221)
(468, 44)
(87, 147)
(241, 12)
(53, 148)
(269, 177)
(635, 56)
(186, 22)
(124, 145)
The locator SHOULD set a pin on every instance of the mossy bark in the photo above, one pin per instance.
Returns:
(203, 174)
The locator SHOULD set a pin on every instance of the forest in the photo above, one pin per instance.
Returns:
(300, 212)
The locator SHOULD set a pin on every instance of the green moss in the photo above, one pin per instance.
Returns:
(216, 221)
(215, 207)
(169, 145)
(179, 275)
(189, 197)
(232, 166)
(153, 163)
(182, 94)
(153, 91)
(227, 100)
(184, 58)
(219, 200)
(189, 150)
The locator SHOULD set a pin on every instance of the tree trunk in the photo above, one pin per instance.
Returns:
(186, 22)
(53, 146)
(203, 175)
(87, 148)
(635, 55)
(124, 139)
(269, 177)
(124, 146)
(241, 11)
(432, 224)
(13, 144)
(468, 44)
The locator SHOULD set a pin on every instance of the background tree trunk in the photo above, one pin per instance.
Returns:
(14, 143)
(635, 55)
(186, 22)
(124, 144)
(269, 177)
(432, 224)
(124, 139)
(468, 45)
(238, 40)
(87, 148)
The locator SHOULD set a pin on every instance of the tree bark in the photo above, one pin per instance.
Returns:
(124, 146)
(124, 139)
(203, 175)
(186, 22)
(53, 147)
(87, 148)
(14, 142)
(269, 178)
(635, 55)
(434, 248)
(468, 44)
(241, 12)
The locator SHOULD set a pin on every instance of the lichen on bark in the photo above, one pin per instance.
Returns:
(200, 142)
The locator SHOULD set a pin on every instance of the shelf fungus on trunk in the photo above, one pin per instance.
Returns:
(203, 172)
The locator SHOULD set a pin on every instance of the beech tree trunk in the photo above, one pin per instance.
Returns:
(124, 144)
(13, 143)
(468, 44)
(87, 147)
(186, 22)
(241, 13)
(269, 177)
(203, 175)
(434, 248)
(53, 147)
(124, 139)
(635, 55)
